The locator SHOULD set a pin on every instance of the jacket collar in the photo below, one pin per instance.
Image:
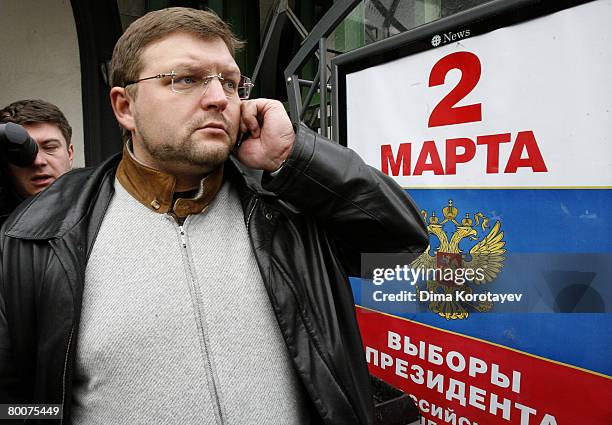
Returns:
(71, 198)
(155, 189)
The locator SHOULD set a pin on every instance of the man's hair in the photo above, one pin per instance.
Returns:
(32, 111)
(126, 63)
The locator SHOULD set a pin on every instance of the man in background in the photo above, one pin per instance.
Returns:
(49, 128)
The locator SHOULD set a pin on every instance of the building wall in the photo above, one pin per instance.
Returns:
(39, 58)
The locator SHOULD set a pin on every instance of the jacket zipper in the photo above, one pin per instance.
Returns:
(183, 240)
(208, 364)
(215, 390)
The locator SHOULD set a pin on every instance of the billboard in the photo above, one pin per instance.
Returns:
(497, 121)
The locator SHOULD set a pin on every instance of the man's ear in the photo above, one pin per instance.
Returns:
(71, 154)
(120, 101)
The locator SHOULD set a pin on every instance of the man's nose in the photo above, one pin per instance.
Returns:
(214, 96)
(40, 160)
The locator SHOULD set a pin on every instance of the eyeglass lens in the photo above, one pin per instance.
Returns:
(187, 84)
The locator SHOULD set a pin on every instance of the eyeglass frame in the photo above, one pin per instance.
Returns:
(205, 81)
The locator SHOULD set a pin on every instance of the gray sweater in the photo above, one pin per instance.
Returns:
(177, 327)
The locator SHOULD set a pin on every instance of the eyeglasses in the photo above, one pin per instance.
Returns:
(189, 84)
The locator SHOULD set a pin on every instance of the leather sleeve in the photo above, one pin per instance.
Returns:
(361, 208)
(10, 385)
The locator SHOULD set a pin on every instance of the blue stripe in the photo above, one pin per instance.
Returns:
(571, 229)
(534, 220)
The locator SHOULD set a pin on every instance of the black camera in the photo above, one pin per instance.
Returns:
(16, 145)
(16, 148)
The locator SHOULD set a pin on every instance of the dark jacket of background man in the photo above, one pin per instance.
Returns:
(49, 128)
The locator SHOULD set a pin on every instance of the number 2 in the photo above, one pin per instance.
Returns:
(445, 112)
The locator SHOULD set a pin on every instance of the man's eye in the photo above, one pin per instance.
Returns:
(186, 80)
(230, 85)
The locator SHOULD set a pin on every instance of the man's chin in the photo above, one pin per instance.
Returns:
(26, 193)
(211, 157)
(214, 143)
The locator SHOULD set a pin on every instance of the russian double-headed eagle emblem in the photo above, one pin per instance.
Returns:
(486, 256)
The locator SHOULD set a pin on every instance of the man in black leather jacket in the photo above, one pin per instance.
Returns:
(47, 125)
(309, 208)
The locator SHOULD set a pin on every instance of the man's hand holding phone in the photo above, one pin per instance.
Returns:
(271, 134)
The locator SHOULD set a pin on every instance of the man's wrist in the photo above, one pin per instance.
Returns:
(278, 170)
(279, 162)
